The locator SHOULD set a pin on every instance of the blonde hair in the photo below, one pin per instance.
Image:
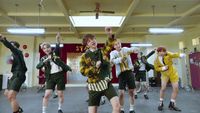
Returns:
(45, 44)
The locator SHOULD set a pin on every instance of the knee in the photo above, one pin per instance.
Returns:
(10, 97)
(121, 93)
(175, 89)
(46, 96)
(162, 89)
(116, 106)
(131, 92)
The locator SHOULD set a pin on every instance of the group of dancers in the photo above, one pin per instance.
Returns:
(95, 64)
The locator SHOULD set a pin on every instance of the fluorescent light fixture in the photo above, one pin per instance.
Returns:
(26, 30)
(90, 21)
(165, 30)
(54, 45)
(141, 45)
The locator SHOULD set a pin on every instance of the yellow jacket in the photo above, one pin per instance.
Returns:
(167, 62)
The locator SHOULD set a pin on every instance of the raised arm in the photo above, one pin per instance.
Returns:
(58, 40)
(150, 54)
(8, 44)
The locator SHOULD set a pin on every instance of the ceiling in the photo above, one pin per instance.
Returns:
(140, 15)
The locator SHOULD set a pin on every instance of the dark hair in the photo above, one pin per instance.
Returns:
(86, 37)
(159, 49)
(15, 43)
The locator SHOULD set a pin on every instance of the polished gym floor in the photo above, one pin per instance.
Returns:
(75, 102)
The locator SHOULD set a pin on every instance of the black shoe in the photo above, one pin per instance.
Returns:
(20, 110)
(173, 107)
(55, 96)
(132, 111)
(60, 111)
(121, 111)
(160, 107)
(136, 96)
(103, 102)
(146, 97)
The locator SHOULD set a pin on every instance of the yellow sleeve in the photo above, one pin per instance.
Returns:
(173, 55)
(108, 47)
(157, 66)
(85, 68)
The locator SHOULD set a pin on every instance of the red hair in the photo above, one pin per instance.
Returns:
(163, 49)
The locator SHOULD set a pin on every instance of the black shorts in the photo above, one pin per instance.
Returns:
(95, 96)
(140, 75)
(126, 78)
(16, 81)
(56, 79)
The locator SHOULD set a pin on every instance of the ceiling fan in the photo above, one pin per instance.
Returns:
(97, 10)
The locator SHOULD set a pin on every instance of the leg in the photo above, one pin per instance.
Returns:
(92, 109)
(162, 90)
(145, 85)
(121, 99)
(11, 95)
(131, 100)
(46, 99)
(115, 104)
(60, 99)
(172, 104)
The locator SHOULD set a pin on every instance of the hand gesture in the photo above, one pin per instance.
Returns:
(98, 64)
(165, 68)
(108, 30)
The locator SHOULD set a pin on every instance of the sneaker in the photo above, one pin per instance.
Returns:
(60, 111)
(103, 102)
(20, 110)
(132, 111)
(146, 97)
(136, 96)
(122, 111)
(55, 96)
(172, 106)
(160, 107)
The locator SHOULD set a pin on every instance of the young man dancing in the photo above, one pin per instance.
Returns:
(122, 60)
(95, 65)
(18, 70)
(141, 67)
(54, 69)
(164, 64)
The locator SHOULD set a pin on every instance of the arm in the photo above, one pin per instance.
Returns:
(85, 68)
(150, 54)
(57, 49)
(42, 62)
(158, 67)
(174, 55)
(8, 44)
(115, 60)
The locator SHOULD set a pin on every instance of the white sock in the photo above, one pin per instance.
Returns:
(59, 105)
(161, 99)
(131, 107)
(44, 109)
(172, 100)
(122, 108)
